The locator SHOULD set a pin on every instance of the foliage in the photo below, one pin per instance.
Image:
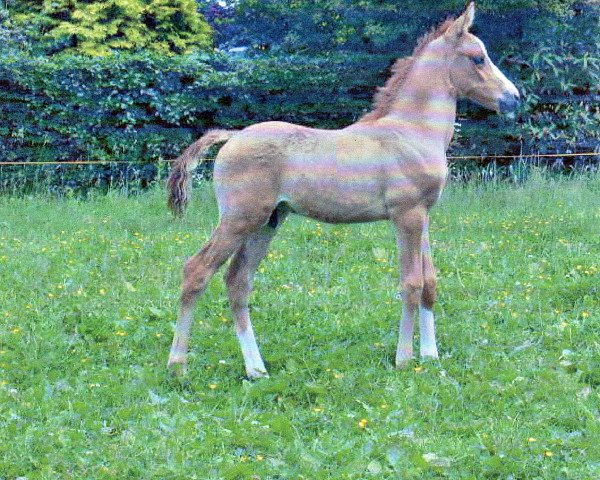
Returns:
(101, 27)
(86, 325)
(384, 27)
(11, 39)
(561, 84)
(147, 108)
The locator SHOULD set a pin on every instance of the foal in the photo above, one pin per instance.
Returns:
(391, 165)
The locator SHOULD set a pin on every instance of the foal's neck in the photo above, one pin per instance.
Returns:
(426, 102)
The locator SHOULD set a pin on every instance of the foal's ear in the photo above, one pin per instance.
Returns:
(463, 23)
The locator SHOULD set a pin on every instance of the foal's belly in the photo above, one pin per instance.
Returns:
(335, 197)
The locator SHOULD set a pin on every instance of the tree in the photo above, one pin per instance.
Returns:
(373, 26)
(103, 26)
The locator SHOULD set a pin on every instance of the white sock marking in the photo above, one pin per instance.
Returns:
(427, 333)
(404, 352)
(252, 359)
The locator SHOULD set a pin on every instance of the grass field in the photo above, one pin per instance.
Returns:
(87, 308)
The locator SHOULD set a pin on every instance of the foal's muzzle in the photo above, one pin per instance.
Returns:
(509, 102)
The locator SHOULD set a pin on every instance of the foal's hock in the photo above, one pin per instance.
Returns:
(390, 165)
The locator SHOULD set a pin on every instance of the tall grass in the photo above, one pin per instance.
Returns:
(89, 299)
(88, 180)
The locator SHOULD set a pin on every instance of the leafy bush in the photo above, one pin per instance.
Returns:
(104, 26)
(561, 81)
(383, 27)
(147, 108)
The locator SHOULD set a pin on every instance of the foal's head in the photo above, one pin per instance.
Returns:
(471, 73)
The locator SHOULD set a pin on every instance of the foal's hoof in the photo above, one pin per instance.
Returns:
(430, 357)
(404, 362)
(177, 369)
(254, 373)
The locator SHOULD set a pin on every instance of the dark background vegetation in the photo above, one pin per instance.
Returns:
(137, 80)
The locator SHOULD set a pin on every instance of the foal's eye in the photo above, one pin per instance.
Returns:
(478, 60)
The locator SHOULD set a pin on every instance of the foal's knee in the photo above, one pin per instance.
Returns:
(412, 290)
(429, 292)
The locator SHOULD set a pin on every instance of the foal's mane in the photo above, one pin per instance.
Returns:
(385, 96)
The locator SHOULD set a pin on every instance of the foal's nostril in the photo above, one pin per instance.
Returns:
(509, 102)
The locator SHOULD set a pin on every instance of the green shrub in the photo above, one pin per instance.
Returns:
(105, 26)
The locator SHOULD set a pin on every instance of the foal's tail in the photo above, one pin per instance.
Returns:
(178, 182)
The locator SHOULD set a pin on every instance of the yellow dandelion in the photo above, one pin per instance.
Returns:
(318, 409)
(121, 333)
(531, 439)
(3, 382)
(419, 369)
(158, 335)
(244, 458)
(338, 375)
(212, 386)
(102, 291)
(585, 314)
(548, 453)
(16, 330)
(383, 406)
(260, 458)
(362, 424)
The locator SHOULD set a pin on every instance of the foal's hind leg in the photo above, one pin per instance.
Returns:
(239, 284)
(198, 270)
(428, 347)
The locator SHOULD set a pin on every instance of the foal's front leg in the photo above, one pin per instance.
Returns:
(428, 347)
(409, 225)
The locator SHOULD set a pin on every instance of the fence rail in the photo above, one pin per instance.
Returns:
(457, 157)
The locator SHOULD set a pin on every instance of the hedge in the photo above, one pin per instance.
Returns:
(144, 108)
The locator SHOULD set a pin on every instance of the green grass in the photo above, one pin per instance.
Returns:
(88, 306)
